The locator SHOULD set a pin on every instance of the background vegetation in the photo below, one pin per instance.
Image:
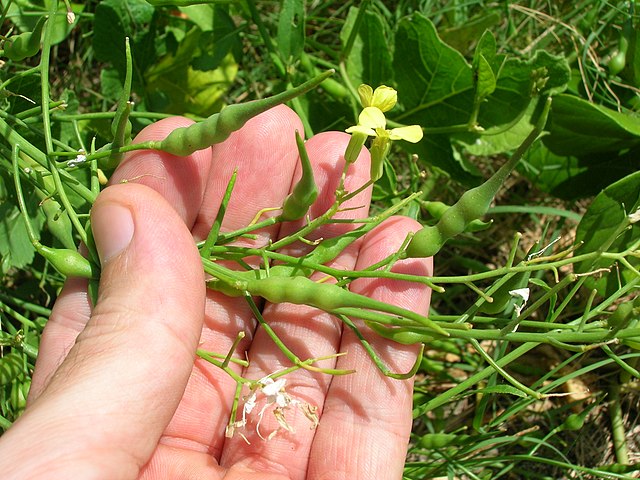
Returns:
(546, 390)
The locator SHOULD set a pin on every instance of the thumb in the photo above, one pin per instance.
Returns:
(109, 401)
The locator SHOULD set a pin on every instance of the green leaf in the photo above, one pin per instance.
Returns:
(500, 139)
(369, 60)
(466, 33)
(116, 19)
(435, 82)
(201, 15)
(439, 91)
(485, 79)
(291, 30)
(16, 250)
(606, 227)
(578, 127)
(218, 42)
(571, 177)
(174, 86)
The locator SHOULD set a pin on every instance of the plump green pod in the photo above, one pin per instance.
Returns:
(473, 204)
(68, 262)
(619, 60)
(502, 298)
(305, 192)
(303, 291)
(426, 242)
(625, 312)
(575, 421)
(19, 394)
(437, 209)
(58, 223)
(437, 440)
(217, 128)
(26, 44)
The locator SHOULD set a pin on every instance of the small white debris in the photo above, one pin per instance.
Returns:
(79, 160)
(522, 293)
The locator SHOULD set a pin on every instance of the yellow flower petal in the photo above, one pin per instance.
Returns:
(365, 92)
(361, 129)
(385, 98)
(412, 133)
(372, 117)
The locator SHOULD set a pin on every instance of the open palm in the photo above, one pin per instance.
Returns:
(118, 391)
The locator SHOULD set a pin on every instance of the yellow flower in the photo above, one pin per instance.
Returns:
(385, 98)
(372, 122)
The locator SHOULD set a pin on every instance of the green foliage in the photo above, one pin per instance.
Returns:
(476, 77)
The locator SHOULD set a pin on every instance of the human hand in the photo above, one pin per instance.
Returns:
(118, 392)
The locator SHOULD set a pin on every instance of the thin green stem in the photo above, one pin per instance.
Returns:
(509, 378)
(619, 436)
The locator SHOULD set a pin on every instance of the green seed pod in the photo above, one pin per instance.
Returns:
(26, 44)
(297, 204)
(575, 421)
(472, 205)
(502, 298)
(437, 440)
(58, 223)
(623, 314)
(19, 394)
(69, 263)
(217, 128)
(619, 60)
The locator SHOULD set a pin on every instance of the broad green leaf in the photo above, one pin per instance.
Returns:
(174, 86)
(291, 30)
(216, 44)
(437, 88)
(116, 19)
(201, 15)
(435, 82)
(519, 81)
(606, 227)
(466, 33)
(571, 177)
(578, 127)
(16, 250)
(500, 139)
(369, 60)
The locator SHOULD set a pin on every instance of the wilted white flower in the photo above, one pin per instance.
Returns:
(274, 395)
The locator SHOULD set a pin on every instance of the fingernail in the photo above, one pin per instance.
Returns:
(112, 226)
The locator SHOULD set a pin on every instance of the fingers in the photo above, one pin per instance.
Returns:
(307, 332)
(119, 385)
(181, 181)
(264, 154)
(366, 421)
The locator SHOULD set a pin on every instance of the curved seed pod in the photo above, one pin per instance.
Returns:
(297, 204)
(69, 263)
(26, 44)
(217, 128)
(58, 222)
(502, 298)
(472, 205)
